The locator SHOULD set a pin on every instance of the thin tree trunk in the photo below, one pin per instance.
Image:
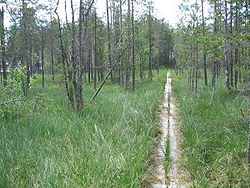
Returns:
(52, 52)
(231, 53)
(89, 65)
(215, 62)
(82, 19)
(141, 69)
(109, 37)
(193, 79)
(74, 58)
(196, 66)
(42, 56)
(80, 65)
(204, 53)
(159, 50)
(25, 59)
(121, 42)
(128, 65)
(150, 75)
(197, 51)
(64, 60)
(133, 48)
(226, 46)
(31, 53)
(4, 67)
(95, 51)
(236, 75)
(248, 153)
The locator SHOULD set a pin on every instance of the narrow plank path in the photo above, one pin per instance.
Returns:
(169, 130)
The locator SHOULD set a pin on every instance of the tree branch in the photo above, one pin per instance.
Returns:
(110, 71)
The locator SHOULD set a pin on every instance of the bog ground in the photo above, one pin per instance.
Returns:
(109, 94)
(106, 145)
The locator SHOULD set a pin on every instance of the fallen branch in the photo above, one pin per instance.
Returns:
(106, 77)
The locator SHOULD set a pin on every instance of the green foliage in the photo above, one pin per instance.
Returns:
(16, 81)
(13, 102)
(105, 146)
(162, 42)
(215, 135)
(11, 97)
(215, 46)
(40, 102)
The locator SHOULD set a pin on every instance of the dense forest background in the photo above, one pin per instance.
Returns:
(82, 46)
(85, 47)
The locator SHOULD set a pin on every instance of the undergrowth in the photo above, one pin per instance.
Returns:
(215, 135)
(106, 145)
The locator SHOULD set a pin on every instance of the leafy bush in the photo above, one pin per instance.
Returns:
(13, 102)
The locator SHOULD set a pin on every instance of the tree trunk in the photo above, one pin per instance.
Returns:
(121, 42)
(128, 65)
(141, 69)
(42, 56)
(25, 59)
(95, 51)
(150, 74)
(226, 46)
(109, 37)
(133, 48)
(204, 53)
(64, 61)
(231, 52)
(215, 62)
(74, 58)
(4, 67)
(236, 75)
(81, 62)
(52, 52)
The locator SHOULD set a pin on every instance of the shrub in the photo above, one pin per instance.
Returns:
(13, 102)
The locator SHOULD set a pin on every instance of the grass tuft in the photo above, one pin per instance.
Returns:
(106, 145)
(215, 135)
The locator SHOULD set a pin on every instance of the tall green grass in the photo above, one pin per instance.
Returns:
(215, 135)
(106, 145)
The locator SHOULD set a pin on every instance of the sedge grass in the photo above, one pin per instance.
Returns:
(214, 135)
(106, 145)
